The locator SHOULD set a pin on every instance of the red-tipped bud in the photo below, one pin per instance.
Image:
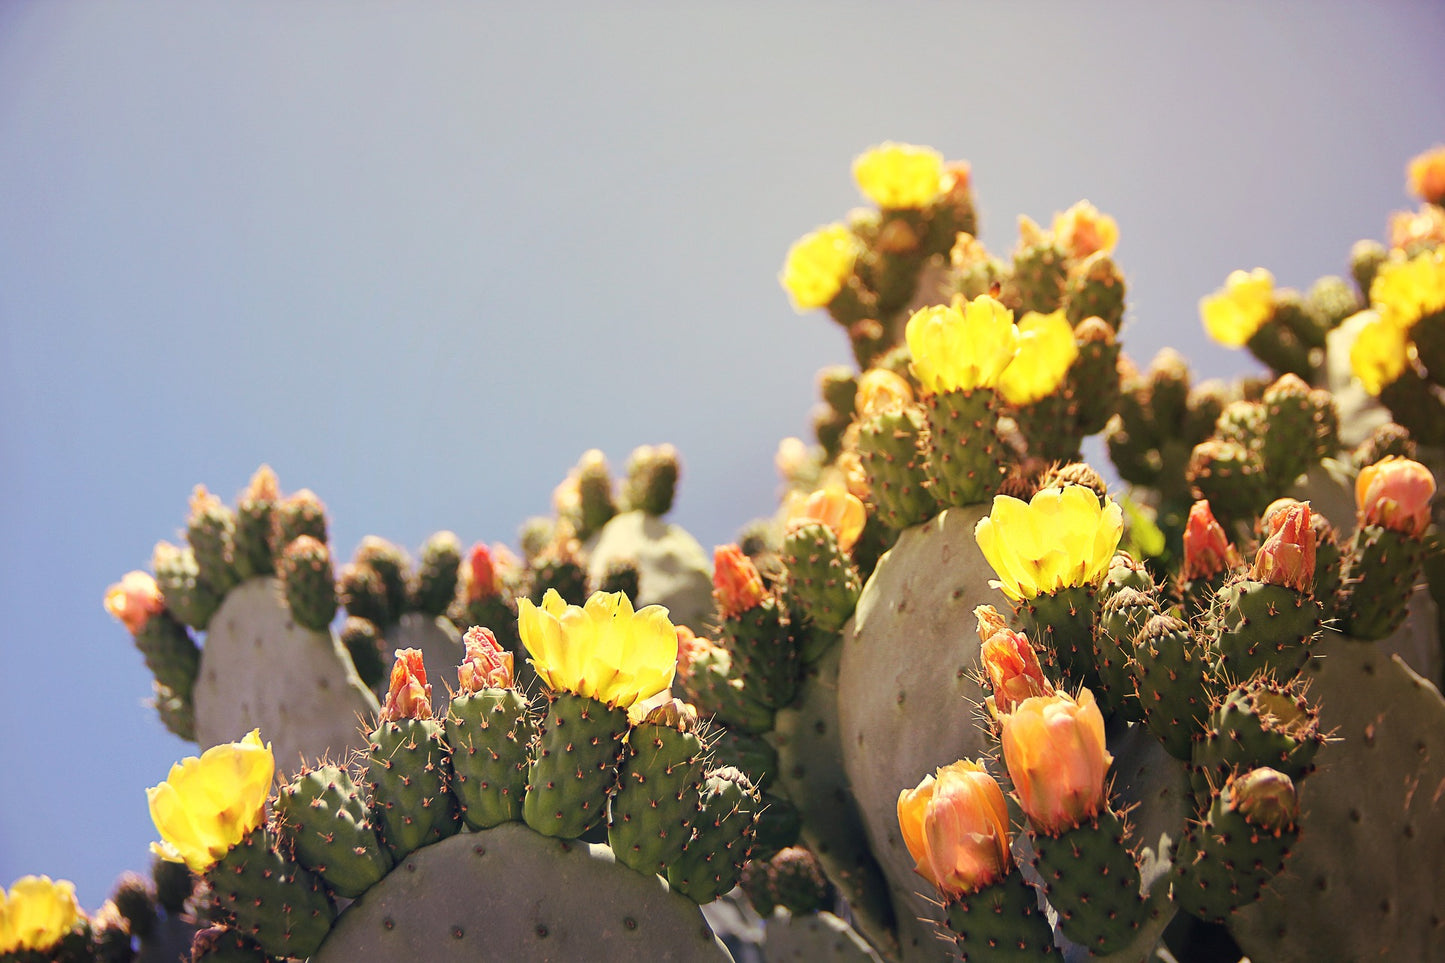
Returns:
(1207, 550)
(689, 649)
(1013, 667)
(1395, 493)
(487, 665)
(1288, 556)
(409, 696)
(482, 583)
(133, 600)
(736, 582)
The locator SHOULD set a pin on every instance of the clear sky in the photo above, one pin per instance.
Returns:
(419, 256)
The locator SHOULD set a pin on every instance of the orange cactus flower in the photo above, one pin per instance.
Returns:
(1395, 493)
(1053, 746)
(1288, 556)
(955, 825)
(133, 600)
(1427, 175)
(1009, 658)
(736, 583)
(1084, 229)
(487, 665)
(1207, 550)
(845, 514)
(409, 695)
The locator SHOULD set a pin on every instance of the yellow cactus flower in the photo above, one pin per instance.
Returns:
(960, 350)
(1427, 175)
(1062, 537)
(1380, 353)
(879, 390)
(955, 826)
(1404, 291)
(36, 914)
(1234, 314)
(900, 176)
(818, 265)
(844, 513)
(1084, 229)
(603, 650)
(1054, 748)
(207, 804)
(1046, 351)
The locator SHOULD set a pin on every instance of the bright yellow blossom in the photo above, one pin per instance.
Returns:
(1084, 229)
(960, 350)
(1046, 350)
(1380, 353)
(1234, 314)
(36, 914)
(603, 650)
(900, 176)
(1427, 175)
(1405, 291)
(1061, 538)
(207, 804)
(818, 266)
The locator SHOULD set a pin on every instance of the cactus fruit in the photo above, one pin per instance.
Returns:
(574, 765)
(300, 513)
(1174, 665)
(364, 644)
(211, 532)
(510, 894)
(252, 537)
(650, 817)
(306, 578)
(326, 823)
(722, 831)
(260, 669)
(893, 448)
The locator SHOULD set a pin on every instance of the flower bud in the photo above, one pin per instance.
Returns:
(133, 600)
(835, 508)
(264, 487)
(674, 713)
(486, 665)
(955, 826)
(900, 176)
(1395, 493)
(1427, 175)
(37, 913)
(880, 390)
(409, 695)
(1266, 798)
(1084, 229)
(1207, 550)
(818, 265)
(1054, 748)
(737, 585)
(1288, 556)
(1013, 667)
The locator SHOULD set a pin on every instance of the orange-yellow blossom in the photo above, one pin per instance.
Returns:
(879, 390)
(955, 825)
(1380, 352)
(818, 265)
(1046, 351)
(840, 511)
(133, 600)
(1054, 748)
(1207, 549)
(1395, 493)
(1233, 315)
(208, 803)
(1427, 175)
(737, 585)
(1014, 673)
(1084, 229)
(36, 914)
(604, 650)
(1062, 537)
(1406, 290)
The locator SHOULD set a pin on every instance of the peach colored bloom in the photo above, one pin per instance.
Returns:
(1395, 493)
(487, 665)
(955, 825)
(1288, 556)
(409, 694)
(133, 600)
(1207, 550)
(835, 508)
(1053, 746)
(736, 583)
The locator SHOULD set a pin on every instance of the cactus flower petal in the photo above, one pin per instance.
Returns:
(818, 265)
(1062, 537)
(955, 825)
(1054, 748)
(1395, 493)
(1288, 556)
(133, 600)
(900, 176)
(36, 914)
(604, 649)
(1234, 314)
(1207, 549)
(208, 803)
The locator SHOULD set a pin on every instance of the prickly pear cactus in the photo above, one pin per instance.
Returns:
(907, 696)
(259, 669)
(1367, 878)
(672, 569)
(440, 644)
(509, 893)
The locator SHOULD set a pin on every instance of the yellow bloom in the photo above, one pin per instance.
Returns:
(879, 390)
(1380, 353)
(960, 350)
(1084, 229)
(1046, 350)
(1427, 175)
(1061, 538)
(603, 649)
(37, 913)
(207, 804)
(844, 513)
(818, 266)
(900, 176)
(956, 829)
(1233, 315)
(1405, 291)
(1053, 746)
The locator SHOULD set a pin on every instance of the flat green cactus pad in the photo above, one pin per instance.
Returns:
(259, 669)
(1367, 877)
(511, 894)
(814, 937)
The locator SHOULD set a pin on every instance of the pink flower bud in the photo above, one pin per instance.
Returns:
(1288, 556)
(487, 665)
(409, 695)
(1395, 493)
(1207, 550)
(1013, 667)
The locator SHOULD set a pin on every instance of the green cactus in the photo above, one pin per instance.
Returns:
(408, 772)
(326, 823)
(1095, 289)
(434, 584)
(822, 582)
(893, 448)
(489, 732)
(651, 815)
(280, 905)
(574, 766)
(306, 578)
(722, 831)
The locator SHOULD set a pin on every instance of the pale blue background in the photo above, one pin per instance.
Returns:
(420, 256)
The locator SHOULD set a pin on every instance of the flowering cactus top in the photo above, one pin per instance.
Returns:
(900, 176)
(1060, 538)
(1234, 314)
(818, 265)
(1046, 350)
(955, 825)
(737, 585)
(1014, 673)
(960, 349)
(36, 913)
(486, 666)
(408, 694)
(1054, 748)
(1083, 230)
(603, 650)
(1380, 353)
(207, 804)
(1207, 549)
(133, 600)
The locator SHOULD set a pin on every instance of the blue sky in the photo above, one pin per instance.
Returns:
(418, 257)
